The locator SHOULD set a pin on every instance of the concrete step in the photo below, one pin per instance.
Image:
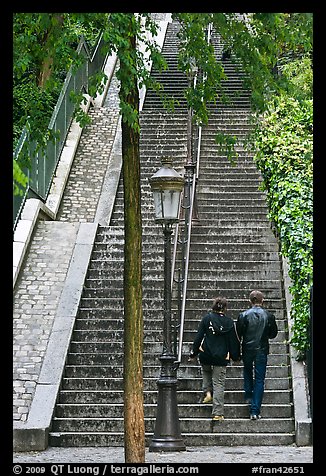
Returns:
(151, 371)
(190, 334)
(234, 209)
(57, 439)
(195, 293)
(74, 383)
(240, 172)
(240, 237)
(114, 306)
(216, 253)
(231, 186)
(226, 228)
(94, 358)
(111, 303)
(222, 218)
(229, 247)
(114, 396)
(218, 236)
(200, 425)
(107, 251)
(230, 97)
(233, 310)
(222, 199)
(223, 262)
(227, 285)
(78, 410)
(162, 119)
(152, 335)
(149, 347)
(156, 103)
(243, 171)
(218, 274)
(232, 295)
(192, 315)
(225, 254)
(110, 324)
(236, 263)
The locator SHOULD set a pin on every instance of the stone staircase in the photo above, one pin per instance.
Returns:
(233, 251)
(232, 93)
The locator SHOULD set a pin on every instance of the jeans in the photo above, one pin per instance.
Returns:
(214, 382)
(254, 371)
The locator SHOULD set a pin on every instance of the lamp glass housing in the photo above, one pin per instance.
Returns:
(166, 204)
(166, 185)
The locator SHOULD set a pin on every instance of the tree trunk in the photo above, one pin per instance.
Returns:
(48, 39)
(134, 427)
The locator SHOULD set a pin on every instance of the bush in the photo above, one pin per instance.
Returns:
(284, 156)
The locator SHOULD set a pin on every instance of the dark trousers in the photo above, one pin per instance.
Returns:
(254, 372)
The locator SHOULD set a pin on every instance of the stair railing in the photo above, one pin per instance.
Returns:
(183, 237)
(43, 161)
(188, 213)
(186, 246)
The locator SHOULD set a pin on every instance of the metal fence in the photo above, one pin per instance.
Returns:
(43, 162)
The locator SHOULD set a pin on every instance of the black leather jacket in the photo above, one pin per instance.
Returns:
(255, 326)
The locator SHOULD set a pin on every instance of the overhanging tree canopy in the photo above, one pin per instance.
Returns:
(262, 42)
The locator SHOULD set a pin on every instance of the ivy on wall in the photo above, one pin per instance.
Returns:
(284, 156)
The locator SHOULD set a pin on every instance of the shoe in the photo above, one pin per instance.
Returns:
(208, 398)
(218, 418)
(255, 417)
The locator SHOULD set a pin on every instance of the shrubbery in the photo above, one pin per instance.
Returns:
(284, 155)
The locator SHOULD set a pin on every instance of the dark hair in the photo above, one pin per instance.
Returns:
(256, 297)
(219, 304)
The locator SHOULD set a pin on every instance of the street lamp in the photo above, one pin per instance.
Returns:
(167, 185)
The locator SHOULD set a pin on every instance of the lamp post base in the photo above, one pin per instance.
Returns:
(165, 445)
(167, 435)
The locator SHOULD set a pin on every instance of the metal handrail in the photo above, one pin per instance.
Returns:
(185, 278)
(175, 247)
(188, 226)
(44, 162)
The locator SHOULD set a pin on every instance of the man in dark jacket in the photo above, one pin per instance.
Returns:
(215, 343)
(255, 326)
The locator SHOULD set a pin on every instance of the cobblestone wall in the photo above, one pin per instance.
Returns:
(36, 297)
(39, 286)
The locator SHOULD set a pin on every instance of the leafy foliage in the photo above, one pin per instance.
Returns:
(44, 47)
(284, 155)
(20, 179)
(227, 146)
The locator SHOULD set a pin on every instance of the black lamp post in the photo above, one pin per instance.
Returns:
(167, 185)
